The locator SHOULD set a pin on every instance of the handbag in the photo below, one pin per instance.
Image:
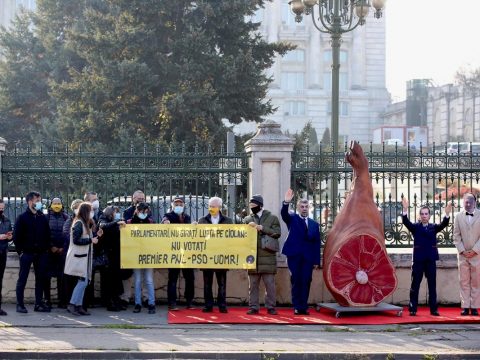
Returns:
(270, 244)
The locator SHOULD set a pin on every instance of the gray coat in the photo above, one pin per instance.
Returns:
(266, 260)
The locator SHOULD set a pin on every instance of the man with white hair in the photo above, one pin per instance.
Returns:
(215, 216)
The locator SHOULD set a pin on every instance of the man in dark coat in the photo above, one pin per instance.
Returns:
(425, 255)
(32, 241)
(302, 249)
(215, 216)
(177, 216)
(266, 224)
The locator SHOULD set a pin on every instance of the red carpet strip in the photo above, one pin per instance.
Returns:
(237, 315)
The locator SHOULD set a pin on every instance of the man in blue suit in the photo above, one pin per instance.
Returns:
(302, 249)
(425, 255)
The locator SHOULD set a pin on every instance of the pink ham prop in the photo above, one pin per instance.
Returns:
(356, 267)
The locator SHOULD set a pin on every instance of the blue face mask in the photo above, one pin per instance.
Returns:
(178, 210)
(117, 216)
(142, 216)
(38, 205)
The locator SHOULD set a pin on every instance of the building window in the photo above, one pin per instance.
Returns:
(293, 80)
(327, 57)
(294, 108)
(297, 55)
(343, 108)
(342, 81)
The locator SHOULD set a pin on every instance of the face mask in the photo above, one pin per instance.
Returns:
(56, 207)
(256, 209)
(92, 214)
(117, 216)
(95, 205)
(213, 211)
(75, 211)
(178, 210)
(38, 205)
(142, 216)
(1, 213)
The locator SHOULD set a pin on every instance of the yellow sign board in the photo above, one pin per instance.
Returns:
(202, 246)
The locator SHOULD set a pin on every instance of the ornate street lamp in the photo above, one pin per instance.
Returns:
(336, 17)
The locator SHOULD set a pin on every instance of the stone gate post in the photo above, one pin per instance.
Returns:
(270, 160)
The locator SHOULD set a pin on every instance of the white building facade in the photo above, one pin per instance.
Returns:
(9, 8)
(301, 89)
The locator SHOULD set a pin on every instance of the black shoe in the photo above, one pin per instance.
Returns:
(223, 310)
(434, 313)
(22, 309)
(114, 308)
(465, 312)
(474, 312)
(301, 312)
(41, 308)
(413, 313)
(137, 308)
(190, 306)
(151, 309)
(207, 309)
(173, 307)
(252, 311)
(3, 312)
(272, 311)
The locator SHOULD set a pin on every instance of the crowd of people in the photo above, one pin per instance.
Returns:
(75, 248)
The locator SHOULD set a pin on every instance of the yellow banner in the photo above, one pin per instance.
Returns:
(199, 246)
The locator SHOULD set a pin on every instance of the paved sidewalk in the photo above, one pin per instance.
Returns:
(125, 335)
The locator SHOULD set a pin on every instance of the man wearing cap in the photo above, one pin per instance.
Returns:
(302, 249)
(177, 216)
(215, 216)
(266, 224)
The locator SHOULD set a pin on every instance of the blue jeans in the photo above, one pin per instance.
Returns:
(148, 278)
(79, 291)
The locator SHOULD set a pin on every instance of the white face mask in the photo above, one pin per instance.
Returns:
(95, 205)
(117, 216)
(38, 205)
(92, 214)
(142, 216)
(75, 211)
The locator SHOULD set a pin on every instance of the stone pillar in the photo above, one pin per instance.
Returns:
(270, 160)
(3, 146)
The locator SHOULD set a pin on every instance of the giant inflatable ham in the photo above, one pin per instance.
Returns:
(356, 267)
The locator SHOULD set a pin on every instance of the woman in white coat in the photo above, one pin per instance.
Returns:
(79, 256)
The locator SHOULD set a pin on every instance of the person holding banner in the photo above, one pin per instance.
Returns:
(267, 225)
(177, 216)
(215, 217)
(302, 249)
(141, 216)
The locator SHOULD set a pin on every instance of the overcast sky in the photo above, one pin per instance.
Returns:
(430, 39)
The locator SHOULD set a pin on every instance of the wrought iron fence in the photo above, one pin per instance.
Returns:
(426, 176)
(161, 173)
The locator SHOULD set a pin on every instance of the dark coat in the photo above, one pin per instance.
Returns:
(300, 240)
(266, 260)
(425, 238)
(5, 226)
(31, 233)
(175, 219)
(56, 222)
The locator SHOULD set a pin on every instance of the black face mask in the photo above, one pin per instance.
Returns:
(1, 213)
(256, 209)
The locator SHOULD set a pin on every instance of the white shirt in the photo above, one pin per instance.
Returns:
(216, 219)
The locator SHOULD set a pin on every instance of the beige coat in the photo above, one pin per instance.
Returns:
(466, 236)
(79, 257)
